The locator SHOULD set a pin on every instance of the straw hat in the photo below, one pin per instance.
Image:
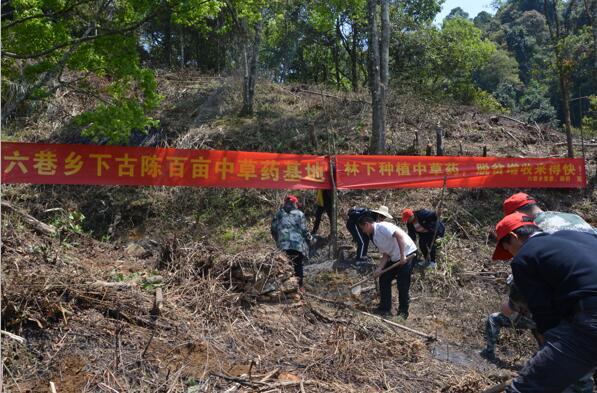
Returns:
(384, 211)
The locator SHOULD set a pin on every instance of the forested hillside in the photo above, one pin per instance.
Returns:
(534, 59)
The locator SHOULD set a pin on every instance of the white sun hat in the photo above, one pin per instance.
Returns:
(384, 211)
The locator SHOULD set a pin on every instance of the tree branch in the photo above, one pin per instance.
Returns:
(85, 38)
(42, 15)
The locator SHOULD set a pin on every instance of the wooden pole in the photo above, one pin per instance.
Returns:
(439, 134)
(334, 223)
(416, 143)
(484, 151)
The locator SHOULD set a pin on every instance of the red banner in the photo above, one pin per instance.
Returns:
(113, 165)
(369, 172)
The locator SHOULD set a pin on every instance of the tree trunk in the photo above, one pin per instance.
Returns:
(565, 92)
(198, 57)
(181, 47)
(336, 58)
(168, 38)
(251, 74)
(374, 79)
(591, 10)
(354, 73)
(385, 60)
(556, 33)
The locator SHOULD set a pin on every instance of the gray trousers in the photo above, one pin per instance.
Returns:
(569, 354)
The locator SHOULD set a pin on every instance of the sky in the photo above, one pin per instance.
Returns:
(473, 7)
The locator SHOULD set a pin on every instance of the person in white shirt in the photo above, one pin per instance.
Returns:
(397, 248)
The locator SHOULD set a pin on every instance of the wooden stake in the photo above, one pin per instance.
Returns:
(52, 387)
(416, 143)
(439, 134)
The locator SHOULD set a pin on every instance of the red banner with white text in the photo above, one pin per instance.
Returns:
(114, 165)
(371, 172)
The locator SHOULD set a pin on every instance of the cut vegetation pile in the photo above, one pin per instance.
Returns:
(194, 321)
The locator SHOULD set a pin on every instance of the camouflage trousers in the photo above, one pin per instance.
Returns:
(497, 321)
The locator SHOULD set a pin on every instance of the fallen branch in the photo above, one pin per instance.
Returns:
(322, 299)
(479, 273)
(284, 385)
(514, 120)
(270, 375)
(577, 144)
(115, 284)
(242, 381)
(13, 336)
(539, 131)
(326, 318)
(512, 136)
(32, 221)
(418, 333)
(331, 96)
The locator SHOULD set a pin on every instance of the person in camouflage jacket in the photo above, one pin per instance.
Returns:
(289, 230)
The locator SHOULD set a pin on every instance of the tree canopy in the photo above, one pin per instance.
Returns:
(521, 58)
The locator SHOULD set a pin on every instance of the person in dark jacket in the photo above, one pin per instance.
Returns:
(557, 275)
(424, 223)
(358, 236)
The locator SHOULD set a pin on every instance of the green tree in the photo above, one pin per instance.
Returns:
(483, 20)
(456, 13)
(51, 44)
(500, 68)
(460, 51)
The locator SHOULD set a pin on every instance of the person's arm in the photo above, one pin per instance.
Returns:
(412, 233)
(380, 266)
(537, 293)
(402, 245)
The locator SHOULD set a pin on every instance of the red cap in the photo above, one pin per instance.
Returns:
(406, 214)
(517, 201)
(291, 198)
(504, 227)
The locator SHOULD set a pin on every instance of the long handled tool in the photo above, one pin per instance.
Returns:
(438, 213)
(356, 289)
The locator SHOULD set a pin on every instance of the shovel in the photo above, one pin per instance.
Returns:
(357, 289)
